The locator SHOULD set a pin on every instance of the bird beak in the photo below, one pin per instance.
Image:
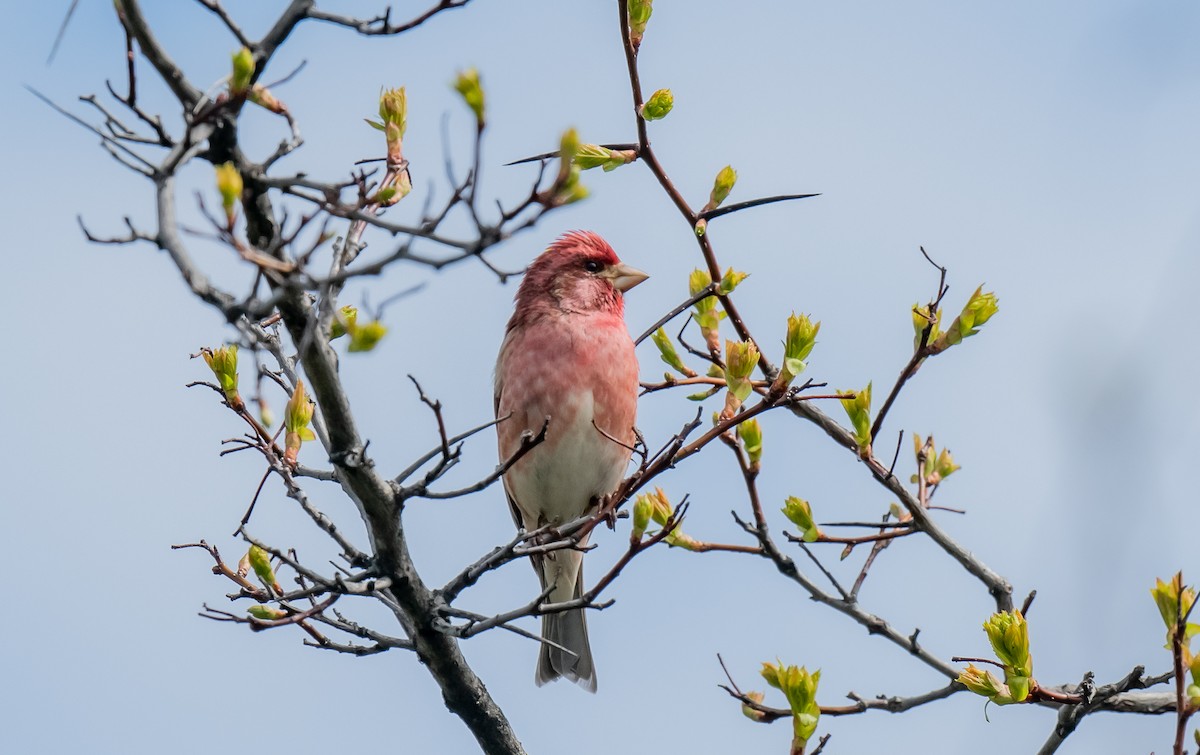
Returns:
(625, 277)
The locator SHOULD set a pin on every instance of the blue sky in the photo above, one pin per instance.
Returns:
(1048, 150)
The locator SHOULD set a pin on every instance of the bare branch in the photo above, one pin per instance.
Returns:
(528, 442)
(142, 165)
(1113, 697)
(134, 235)
(220, 12)
(130, 13)
(997, 586)
(425, 458)
(382, 25)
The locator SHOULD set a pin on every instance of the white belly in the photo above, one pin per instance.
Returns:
(558, 479)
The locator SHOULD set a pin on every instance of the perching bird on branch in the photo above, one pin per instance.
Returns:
(567, 356)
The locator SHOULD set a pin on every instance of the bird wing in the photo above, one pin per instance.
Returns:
(512, 505)
(536, 559)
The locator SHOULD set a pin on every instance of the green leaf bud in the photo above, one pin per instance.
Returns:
(722, 185)
(366, 335)
(590, 156)
(801, 337)
(243, 72)
(1009, 636)
(393, 114)
(730, 281)
(659, 104)
(741, 357)
(643, 508)
(266, 613)
(799, 512)
(985, 683)
(750, 433)
(297, 415)
(260, 561)
(639, 16)
(858, 409)
(666, 350)
(223, 363)
(467, 84)
(663, 510)
(800, 689)
(230, 185)
(344, 321)
(978, 310)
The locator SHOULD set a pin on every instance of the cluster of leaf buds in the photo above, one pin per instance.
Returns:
(260, 561)
(977, 311)
(363, 336)
(1009, 636)
(801, 337)
(722, 185)
(985, 683)
(937, 465)
(650, 507)
(229, 185)
(223, 363)
(296, 418)
(393, 122)
(639, 16)
(468, 86)
(799, 512)
(750, 433)
(705, 311)
(659, 105)
(590, 156)
(566, 188)
(858, 409)
(800, 689)
(741, 357)
(1175, 602)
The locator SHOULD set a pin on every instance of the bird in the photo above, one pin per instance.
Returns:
(567, 364)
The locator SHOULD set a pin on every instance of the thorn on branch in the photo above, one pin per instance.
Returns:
(727, 209)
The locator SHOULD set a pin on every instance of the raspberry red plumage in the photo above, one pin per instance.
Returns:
(568, 356)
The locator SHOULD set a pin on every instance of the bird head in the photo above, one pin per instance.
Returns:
(579, 272)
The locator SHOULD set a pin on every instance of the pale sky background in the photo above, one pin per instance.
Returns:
(1047, 149)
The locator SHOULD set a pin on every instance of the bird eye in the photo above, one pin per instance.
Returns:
(592, 266)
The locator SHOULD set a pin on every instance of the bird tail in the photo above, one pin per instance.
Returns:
(567, 630)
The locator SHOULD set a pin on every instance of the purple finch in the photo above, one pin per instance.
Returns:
(567, 356)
